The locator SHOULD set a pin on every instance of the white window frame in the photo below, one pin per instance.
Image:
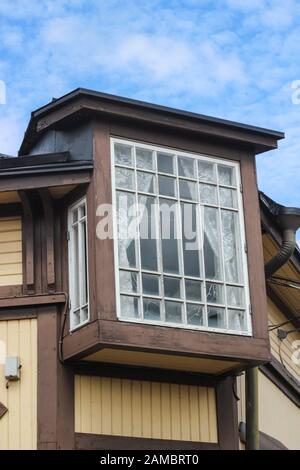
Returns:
(241, 227)
(72, 274)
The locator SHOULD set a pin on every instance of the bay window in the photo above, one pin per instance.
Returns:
(179, 239)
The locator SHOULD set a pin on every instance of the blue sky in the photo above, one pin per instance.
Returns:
(234, 59)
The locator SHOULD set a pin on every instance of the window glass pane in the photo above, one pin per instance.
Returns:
(165, 162)
(148, 233)
(75, 215)
(84, 314)
(169, 236)
(226, 175)
(237, 320)
(144, 159)
(172, 287)
(214, 293)
(235, 296)
(195, 314)
(123, 154)
(190, 243)
(173, 311)
(212, 244)
(76, 318)
(232, 247)
(130, 307)
(193, 290)
(167, 186)
(124, 178)
(150, 284)
(128, 282)
(152, 309)
(186, 167)
(127, 230)
(188, 190)
(76, 302)
(206, 171)
(228, 197)
(82, 211)
(216, 317)
(208, 194)
(83, 263)
(145, 182)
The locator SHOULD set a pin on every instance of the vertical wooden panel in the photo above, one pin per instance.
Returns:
(18, 427)
(145, 409)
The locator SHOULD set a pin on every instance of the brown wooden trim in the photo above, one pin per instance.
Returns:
(19, 313)
(10, 210)
(266, 442)
(27, 243)
(41, 299)
(104, 442)
(10, 291)
(49, 225)
(280, 377)
(227, 414)
(147, 374)
(44, 181)
(83, 341)
(254, 249)
(3, 410)
(55, 387)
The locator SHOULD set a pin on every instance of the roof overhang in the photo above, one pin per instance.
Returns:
(82, 104)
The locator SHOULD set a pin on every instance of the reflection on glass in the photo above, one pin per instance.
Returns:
(235, 296)
(169, 236)
(226, 175)
(124, 178)
(193, 290)
(228, 198)
(127, 230)
(188, 190)
(130, 307)
(216, 317)
(165, 162)
(150, 284)
(144, 159)
(237, 320)
(195, 314)
(123, 154)
(186, 167)
(190, 244)
(128, 282)
(212, 244)
(151, 309)
(206, 171)
(214, 293)
(208, 194)
(231, 247)
(172, 287)
(167, 186)
(148, 233)
(173, 311)
(145, 182)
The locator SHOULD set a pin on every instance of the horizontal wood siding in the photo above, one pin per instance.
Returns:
(18, 427)
(133, 408)
(283, 350)
(10, 251)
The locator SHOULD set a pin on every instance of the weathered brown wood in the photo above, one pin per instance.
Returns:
(27, 243)
(17, 313)
(32, 300)
(16, 183)
(49, 226)
(82, 341)
(103, 442)
(10, 210)
(3, 410)
(254, 249)
(10, 291)
(228, 427)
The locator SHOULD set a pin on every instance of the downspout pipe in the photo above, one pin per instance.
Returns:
(288, 219)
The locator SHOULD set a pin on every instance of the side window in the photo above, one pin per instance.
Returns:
(78, 268)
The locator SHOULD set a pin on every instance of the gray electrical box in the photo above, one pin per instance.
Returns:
(12, 368)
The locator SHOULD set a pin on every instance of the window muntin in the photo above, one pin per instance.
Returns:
(204, 287)
(78, 264)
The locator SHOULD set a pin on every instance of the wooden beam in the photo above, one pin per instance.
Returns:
(27, 243)
(42, 299)
(49, 223)
(16, 183)
(228, 432)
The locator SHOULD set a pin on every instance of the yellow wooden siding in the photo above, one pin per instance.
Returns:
(283, 350)
(10, 251)
(18, 427)
(133, 408)
(278, 415)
